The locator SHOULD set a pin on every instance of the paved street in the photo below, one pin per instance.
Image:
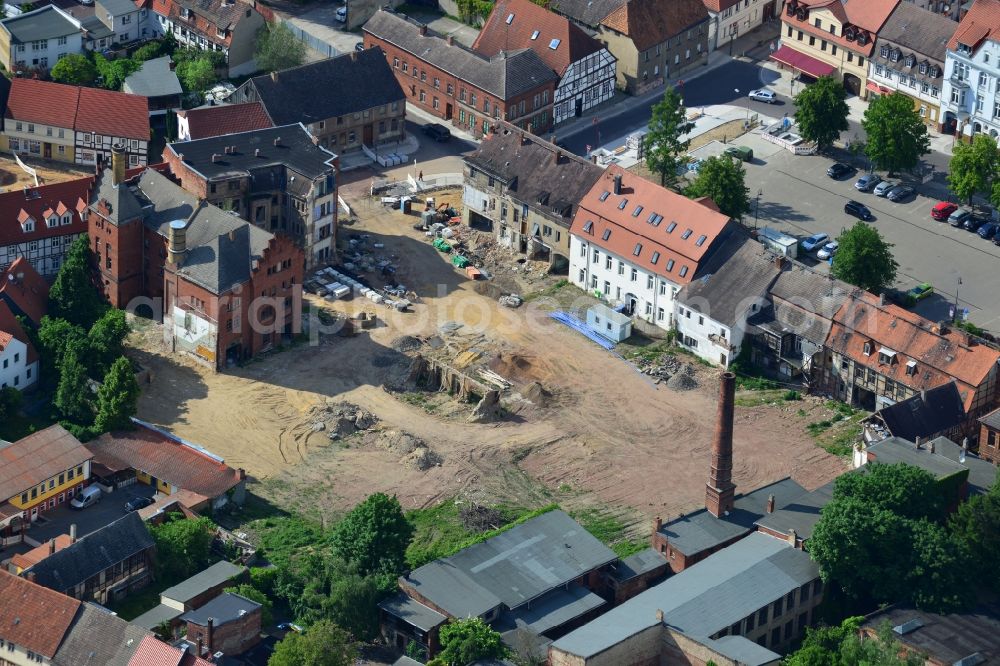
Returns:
(801, 200)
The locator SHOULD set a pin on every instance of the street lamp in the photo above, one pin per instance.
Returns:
(955, 316)
(748, 105)
(756, 209)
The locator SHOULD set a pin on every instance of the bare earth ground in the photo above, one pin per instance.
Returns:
(608, 433)
(13, 177)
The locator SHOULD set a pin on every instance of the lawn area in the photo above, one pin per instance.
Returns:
(838, 433)
(609, 530)
(438, 531)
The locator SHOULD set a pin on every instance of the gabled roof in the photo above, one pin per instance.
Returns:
(538, 173)
(152, 652)
(24, 291)
(38, 457)
(94, 553)
(925, 414)
(923, 32)
(585, 12)
(869, 16)
(34, 201)
(224, 608)
(209, 121)
(314, 92)
(940, 353)
(801, 514)
(803, 302)
(113, 113)
(49, 22)
(118, 7)
(652, 22)
(520, 24)
(120, 202)
(98, 638)
(165, 456)
(982, 473)
(36, 555)
(505, 75)
(982, 21)
(43, 102)
(511, 568)
(156, 78)
(893, 450)
(11, 329)
(647, 222)
(33, 617)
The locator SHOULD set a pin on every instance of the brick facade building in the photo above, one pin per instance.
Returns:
(456, 84)
(229, 624)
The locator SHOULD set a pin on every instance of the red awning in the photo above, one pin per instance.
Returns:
(873, 87)
(786, 55)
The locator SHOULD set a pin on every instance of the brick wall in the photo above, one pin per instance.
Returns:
(118, 254)
(232, 638)
(989, 444)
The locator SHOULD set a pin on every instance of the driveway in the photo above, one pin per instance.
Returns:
(110, 508)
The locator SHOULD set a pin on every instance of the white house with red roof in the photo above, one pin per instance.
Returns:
(40, 223)
(636, 244)
(972, 73)
(18, 358)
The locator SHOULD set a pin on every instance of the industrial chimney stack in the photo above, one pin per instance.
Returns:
(720, 491)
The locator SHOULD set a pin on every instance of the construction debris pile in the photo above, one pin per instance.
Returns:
(413, 451)
(667, 368)
(341, 419)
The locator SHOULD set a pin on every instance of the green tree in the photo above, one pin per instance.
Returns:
(662, 144)
(250, 592)
(897, 136)
(975, 527)
(10, 402)
(464, 642)
(723, 180)
(821, 112)
(278, 48)
(318, 588)
(973, 167)
(374, 535)
(148, 51)
(322, 644)
(905, 490)
(117, 398)
(107, 340)
(864, 259)
(842, 646)
(71, 398)
(938, 573)
(263, 578)
(114, 72)
(74, 69)
(55, 336)
(197, 75)
(183, 546)
(73, 296)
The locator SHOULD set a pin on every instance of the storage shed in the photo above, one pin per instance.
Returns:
(608, 323)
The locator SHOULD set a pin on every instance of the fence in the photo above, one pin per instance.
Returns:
(310, 40)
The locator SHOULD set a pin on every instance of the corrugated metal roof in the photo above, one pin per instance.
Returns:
(37, 457)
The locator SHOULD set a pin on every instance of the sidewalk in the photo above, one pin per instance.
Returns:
(421, 117)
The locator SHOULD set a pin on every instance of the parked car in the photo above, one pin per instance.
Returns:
(839, 170)
(989, 231)
(867, 182)
(740, 152)
(89, 496)
(763, 95)
(137, 503)
(900, 193)
(828, 250)
(942, 210)
(290, 626)
(814, 242)
(858, 210)
(360, 46)
(437, 131)
(341, 14)
(958, 218)
(974, 222)
(882, 189)
(920, 292)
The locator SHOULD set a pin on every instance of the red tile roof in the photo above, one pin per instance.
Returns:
(34, 617)
(24, 290)
(11, 329)
(38, 457)
(152, 652)
(209, 121)
(166, 457)
(680, 238)
(869, 15)
(980, 22)
(652, 22)
(36, 555)
(34, 201)
(534, 27)
(939, 356)
(43, 102)
(113, 113)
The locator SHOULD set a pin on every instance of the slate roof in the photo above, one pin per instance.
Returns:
(700, 530)
(804, 302)
(652, 22)
(534, 27)
(98, 638)
(528, 165)
(925, 414)
(215, 575)
(992, 419)
(553, 610)
(699, 601)
(118, 7)
(982, 473)
(738, 273)
(801, 514)
(224, 608)
(295, 150)
(122, 202)
(945, 639)
(24, 290)
(154, 79)
(94, 553)
(505, 75)
(586, 12)
(33, 617)
(892, 450)
(169, 458)
(39, 553)
(156, 616)
(511, 568)
(38, 457)
(982, 21)
(638, 564)
(412, 612)
(314, 92)
(209, 121)
(49, 22)
(742, 650)
(921, 31)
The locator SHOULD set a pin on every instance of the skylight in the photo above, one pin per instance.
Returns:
(701, 240)
(554, 44)
(510, 19)
(605, 195)
(534, 35)
(637, 212)
(607, 234)
(684, 271)
(670, 265)
(622, 205)
(655, 258)
(686, 234)
(637, 250)
(588, 226)
(671, 227)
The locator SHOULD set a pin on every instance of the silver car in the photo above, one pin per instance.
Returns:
(882, 189)
(763, 95)
(867, 182)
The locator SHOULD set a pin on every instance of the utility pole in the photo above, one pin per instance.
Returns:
(756, 208)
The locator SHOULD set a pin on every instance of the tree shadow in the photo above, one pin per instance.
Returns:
(184, 382)
(779, 212)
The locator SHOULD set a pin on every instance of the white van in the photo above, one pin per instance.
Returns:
(86, 497)
(342, 14)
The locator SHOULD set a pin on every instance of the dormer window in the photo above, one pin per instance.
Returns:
(67, 219)
(220, 31)
(868, 349)
(964, 49)
(52, 222)
(911, 368)
(884, 51)
(28, 225)
(923, 67)
(588, 227)
(886, 356)
(185, 13)
(911, 60)
(894, 56)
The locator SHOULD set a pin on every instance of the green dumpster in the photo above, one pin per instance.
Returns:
(460, 261)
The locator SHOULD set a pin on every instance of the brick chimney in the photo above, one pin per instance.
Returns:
(117, 164)
(210, 631)
(618, 183)
(557, 157)
(931, 447)
(450, 40)
(659, 615)
(52, 546)
(200, 647)
(770, 503)
(657, 525)
(720, 491)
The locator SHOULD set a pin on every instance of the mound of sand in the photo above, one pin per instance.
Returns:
(421, 458)
(405, 343)
(537, 394)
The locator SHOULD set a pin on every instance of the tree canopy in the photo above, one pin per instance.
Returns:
(723, 180)
(897, 136)
(976, 527)
(74, 69)
(905, 490)
(73, 296)
(71, 398)
(821, 111)
(973, 167)
(467, 641)
(114, 72)
(322, 644)
(864, 259)
(197, 74)
(842, 646)
(106, 340)
(278, 48)
(183, 546)
(250, 592)
(374, 535)
(662, 145)
(117, 398)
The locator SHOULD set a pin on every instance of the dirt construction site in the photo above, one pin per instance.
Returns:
(463, 397)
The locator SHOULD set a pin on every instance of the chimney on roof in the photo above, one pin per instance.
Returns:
(557, 157)
(172, 65)
(274, 77)
(618, 183)
(277, 141)
(176, 241)
(593, 159)
(72, 533)
(932, 447)
(117, 164)
(30, 576)
(216, 157)
(232, 235)
(210, 632)
(965, 449)
(792, 536)
(354, 56)
(241, 474)
(657, 525)
(256, 152)
(720, 491)
(917, 443)
(770, 503)
(659, 615)
(200, 647)
(881, 299)
(52, 546)
(423, 30)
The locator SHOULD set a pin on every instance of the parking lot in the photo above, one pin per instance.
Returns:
(110, 508)
(800, 199)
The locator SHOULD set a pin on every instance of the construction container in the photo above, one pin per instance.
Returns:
(460, 261)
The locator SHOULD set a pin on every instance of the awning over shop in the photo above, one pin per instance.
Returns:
(876, 88)
(786, 55)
